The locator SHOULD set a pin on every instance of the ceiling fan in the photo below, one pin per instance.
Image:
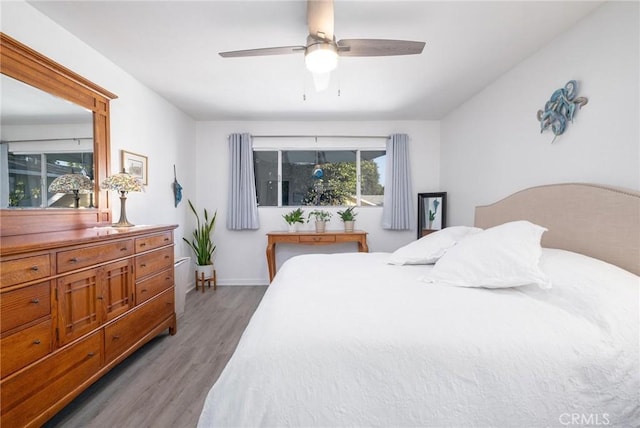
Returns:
(321, 50)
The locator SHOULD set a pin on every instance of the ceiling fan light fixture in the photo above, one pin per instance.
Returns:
(321, 81)
(321, 58)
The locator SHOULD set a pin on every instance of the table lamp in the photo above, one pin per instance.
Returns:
(73, 184)
(122, 183)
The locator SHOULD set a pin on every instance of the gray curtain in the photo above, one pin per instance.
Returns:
(398, 212)
(243, 205)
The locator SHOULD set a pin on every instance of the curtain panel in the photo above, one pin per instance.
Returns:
(242, 202)
(398, 212)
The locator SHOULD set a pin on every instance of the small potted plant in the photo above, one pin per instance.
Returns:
(322, 217)
(348, 217)
(293, 218)
(202, 244)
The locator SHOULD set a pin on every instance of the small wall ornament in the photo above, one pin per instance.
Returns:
(177, 189)
(560, 109)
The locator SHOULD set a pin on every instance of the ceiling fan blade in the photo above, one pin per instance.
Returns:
(280, 50)
(378, 47)
(320, 19)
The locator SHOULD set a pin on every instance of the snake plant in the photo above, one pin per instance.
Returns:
(201, 243)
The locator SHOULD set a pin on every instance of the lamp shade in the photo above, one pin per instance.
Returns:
(122, 182)
(71, 183)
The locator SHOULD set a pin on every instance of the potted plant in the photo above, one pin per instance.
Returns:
(322, 217)
(293, 218)
(202, 244)
(348, 217)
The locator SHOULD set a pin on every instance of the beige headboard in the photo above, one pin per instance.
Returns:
(598, 221)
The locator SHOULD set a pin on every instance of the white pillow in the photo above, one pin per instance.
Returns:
(503, 256)
(430, 248)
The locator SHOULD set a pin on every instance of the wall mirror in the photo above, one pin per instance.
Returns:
(432, 212)
(42, 137)
(54, 122)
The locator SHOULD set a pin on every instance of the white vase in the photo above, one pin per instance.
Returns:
(293, 227)
(348, 225)
(206, 269)
(321, 226)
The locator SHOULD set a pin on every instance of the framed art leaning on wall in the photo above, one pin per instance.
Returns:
(432, 212)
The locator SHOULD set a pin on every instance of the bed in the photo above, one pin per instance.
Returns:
(352, 340)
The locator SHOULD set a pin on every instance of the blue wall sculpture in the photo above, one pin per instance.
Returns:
(560, 109)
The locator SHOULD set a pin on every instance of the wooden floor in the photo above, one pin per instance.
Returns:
(164, 384)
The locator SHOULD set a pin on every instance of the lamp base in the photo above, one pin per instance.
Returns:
(123, 222)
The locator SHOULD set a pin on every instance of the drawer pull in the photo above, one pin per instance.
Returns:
(166, 257)
(99, 297)
(123, 249)
(36, 342)
(144, 290)
(35, 300)
(143, 265)
(116, 336)
(35, 268)
(73, 260)
(91, 354)
(166, 239)
(167, 278)
(143, 244)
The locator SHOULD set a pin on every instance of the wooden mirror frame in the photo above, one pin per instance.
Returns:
(28, 66)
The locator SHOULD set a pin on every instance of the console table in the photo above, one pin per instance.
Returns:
(311, 238)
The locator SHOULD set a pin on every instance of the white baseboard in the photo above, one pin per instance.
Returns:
(243, 282)
(233, 283)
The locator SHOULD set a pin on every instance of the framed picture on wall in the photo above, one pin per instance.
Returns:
(432, 212)
(136, 165)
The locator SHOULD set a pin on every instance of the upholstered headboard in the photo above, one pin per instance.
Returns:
(598, 221)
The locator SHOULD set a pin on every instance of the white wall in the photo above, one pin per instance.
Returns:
(240, 255)
(491, 145)
(141, 121)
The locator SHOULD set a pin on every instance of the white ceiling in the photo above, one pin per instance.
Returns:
(172, 47)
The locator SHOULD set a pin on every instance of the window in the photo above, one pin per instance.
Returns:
(319, 177)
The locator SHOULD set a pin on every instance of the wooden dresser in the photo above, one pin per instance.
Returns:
(73, 304)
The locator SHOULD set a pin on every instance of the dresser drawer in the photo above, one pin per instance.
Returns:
(24, 347)
(153, 241)
(153, 285)
(154, 262)
(318, 238)
(24, 305)
(25, 396)
(126, 331)
(87, 256)
(25, 269)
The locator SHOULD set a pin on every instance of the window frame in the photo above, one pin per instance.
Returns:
(279, 149)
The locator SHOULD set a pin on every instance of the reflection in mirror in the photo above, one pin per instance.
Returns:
(42, 137)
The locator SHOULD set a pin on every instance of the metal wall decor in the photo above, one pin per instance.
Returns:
(177, 190)
(560, 109)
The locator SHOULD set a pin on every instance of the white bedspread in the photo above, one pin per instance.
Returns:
(348, 340)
